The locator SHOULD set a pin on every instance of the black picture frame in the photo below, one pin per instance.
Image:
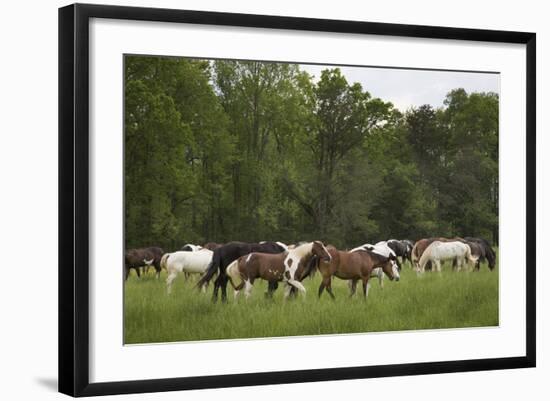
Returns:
(74, 198)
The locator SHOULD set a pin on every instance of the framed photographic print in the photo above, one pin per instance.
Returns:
(245, 192)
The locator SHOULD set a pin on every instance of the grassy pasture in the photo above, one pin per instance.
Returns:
(431, 301)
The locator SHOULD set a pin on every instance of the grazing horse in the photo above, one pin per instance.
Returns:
(290, 267)
(419, 248)
(190, 248)
(224, 255)
(185, 262)
(355, 265)
(408, 244)
(488, 254)
(421, 245)
(398, 248)
(136, 258)
(439, 251)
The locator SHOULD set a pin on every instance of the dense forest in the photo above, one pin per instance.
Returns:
(251, 151)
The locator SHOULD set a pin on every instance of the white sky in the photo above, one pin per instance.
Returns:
(408, 88)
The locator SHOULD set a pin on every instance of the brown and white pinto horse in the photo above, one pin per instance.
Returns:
(356, 265)
(290, 267)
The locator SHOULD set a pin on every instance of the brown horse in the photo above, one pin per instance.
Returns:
(140, 257)
(356, 265)
(291, 267)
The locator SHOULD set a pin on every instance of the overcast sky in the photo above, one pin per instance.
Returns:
(407, 88)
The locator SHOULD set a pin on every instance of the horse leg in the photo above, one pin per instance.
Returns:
(247, 289)
(126, 273)
(324, 283)
(216, 288)
(366, 287)
(329, 290)
(352, 287)
(137, 272)
(223, 282)
(438, 266)
(271, 288)
(169, 280)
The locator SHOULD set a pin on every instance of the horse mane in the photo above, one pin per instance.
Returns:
(312, 265)
(300, 248)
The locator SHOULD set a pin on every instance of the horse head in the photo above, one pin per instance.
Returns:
(321, 251)
(391, 268)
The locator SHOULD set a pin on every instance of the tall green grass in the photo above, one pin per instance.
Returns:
(431, 301)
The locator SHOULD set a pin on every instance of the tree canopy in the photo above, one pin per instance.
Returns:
(251, 151)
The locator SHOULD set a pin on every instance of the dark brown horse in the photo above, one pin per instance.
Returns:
(224, 255)
(137, 258)
(356, 265)
(212, 245)
(291, 267)
(486, 252)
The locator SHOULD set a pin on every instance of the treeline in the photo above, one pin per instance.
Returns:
(251, 151)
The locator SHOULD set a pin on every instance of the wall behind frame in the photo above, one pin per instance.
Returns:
(28, 214)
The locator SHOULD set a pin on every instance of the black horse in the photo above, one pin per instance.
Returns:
(487, 252)
(402, 249)
(224, 255)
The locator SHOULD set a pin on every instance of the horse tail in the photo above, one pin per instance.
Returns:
(163, 261)
(233, 272)
(210, 270)
(469, 255)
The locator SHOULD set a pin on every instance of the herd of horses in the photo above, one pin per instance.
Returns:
(240, 264)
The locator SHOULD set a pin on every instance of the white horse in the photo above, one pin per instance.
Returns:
(185, 262)
(438, 252)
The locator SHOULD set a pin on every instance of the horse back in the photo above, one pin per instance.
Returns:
(266, 265)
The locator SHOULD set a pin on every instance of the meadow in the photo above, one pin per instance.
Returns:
(431, 301)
